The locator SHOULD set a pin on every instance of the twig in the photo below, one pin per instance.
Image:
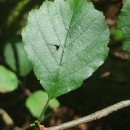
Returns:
(6, 118)
(95, 116)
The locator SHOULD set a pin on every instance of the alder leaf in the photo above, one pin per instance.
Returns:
(8, 80)
(124, 24)
(66, 42)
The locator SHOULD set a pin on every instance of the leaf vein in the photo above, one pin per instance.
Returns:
(77, 56)
(45, 41)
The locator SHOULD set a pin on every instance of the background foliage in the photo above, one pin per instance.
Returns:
(108, 85)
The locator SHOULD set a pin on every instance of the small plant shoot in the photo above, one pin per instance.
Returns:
(37, 100)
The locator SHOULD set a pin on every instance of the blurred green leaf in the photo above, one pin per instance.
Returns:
(54, 103)
(36, 102)
(8, 80)
(124, 24)
(23, 62)
(10, 56)
(66, 42)
(117, 34)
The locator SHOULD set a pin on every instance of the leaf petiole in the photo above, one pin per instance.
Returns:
(40, 119)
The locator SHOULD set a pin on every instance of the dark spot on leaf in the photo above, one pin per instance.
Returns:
(57, 47)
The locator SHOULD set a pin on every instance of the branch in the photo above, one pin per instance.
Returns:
(6, 118)
(95, 116)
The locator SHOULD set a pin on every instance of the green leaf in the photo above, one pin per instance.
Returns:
(36, 102)
(117, 34)
(66, 42)
(24, 64)
(54, 103)
(10, 56)
(124, 24)
(8, 80)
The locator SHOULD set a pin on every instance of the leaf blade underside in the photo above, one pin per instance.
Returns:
(66, 42)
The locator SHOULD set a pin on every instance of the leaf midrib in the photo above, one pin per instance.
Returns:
(80, 36)
(62, 53)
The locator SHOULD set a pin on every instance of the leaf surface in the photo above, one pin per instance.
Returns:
(66, 42)
(124, 24)
(8, 80)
